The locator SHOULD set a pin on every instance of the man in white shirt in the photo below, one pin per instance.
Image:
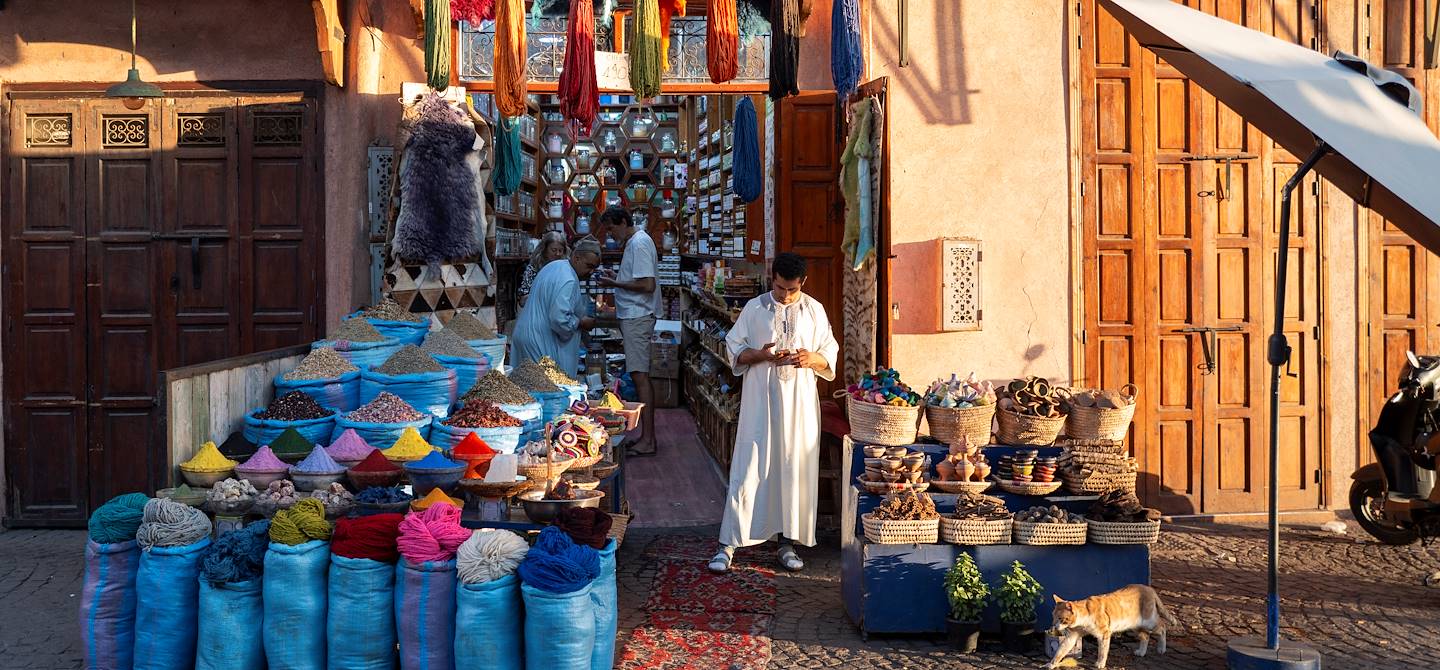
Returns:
(637, 304)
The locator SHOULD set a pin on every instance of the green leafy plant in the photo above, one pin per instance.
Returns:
(1017, 593)
(965, 589)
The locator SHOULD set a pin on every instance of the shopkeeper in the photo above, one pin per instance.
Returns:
(557, 311)
(637, 304)
(552, 247)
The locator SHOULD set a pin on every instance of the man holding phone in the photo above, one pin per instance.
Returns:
(781, 343)
(637, 305)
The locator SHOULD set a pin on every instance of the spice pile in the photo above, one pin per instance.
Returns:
(410, 447)
(468, 327)
(389, 310)
(499, 389)
(208, 459)
(386, 408)
(979, 506)
(356, 330)
(375, 462)
(317, 463)
(291, 444)
(409, 360)
(1034, 396)
(960, 394)
(322, 363)
(555, 374)
(349, 447)
(1051, 514)
(293, 406)
(264, 461)
(530, 376)
(883, 387)
(446, 343)
(1121, 506)
(479, 413)
(906, 506)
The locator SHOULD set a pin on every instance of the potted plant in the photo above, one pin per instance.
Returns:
(967, 593)
(1017, 593)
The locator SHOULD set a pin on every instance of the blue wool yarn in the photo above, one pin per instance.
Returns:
(118, 519)
(238, 556)
(749, 177)
(847, 61)
(383, 494)
(557, 565)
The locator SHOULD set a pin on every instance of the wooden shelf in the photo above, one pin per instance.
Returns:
(700, 342)
(703, 392)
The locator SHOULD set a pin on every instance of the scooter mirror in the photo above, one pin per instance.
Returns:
(1414, 362)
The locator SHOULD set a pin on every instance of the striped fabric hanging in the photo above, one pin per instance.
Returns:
(579, 94)
(510, 57)
(847, 62)
(722, 40)
(645, 54)
(437, 44)
(784, 48)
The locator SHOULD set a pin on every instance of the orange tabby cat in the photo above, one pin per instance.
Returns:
(1135, 607)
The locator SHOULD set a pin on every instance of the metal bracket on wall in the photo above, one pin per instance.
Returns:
(1224, 191)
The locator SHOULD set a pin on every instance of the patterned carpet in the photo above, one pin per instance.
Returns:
(700, 621)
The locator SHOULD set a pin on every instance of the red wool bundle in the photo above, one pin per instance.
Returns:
(371, 537)
(472, 11)
(722, 40)
(432, 535)
(579, 94)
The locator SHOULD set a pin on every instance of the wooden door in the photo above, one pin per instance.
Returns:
(1179, 235)
(808, 212)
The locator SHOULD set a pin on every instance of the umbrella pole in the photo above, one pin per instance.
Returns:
(1278, 355)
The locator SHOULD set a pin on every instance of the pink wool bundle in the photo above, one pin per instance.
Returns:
(432, 535)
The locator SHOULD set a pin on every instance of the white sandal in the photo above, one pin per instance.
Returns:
(720, 563)
(789, 559)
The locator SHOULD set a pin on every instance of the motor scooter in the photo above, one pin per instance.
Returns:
(1396, 498)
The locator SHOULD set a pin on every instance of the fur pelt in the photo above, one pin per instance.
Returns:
(604, 9)
(754, 17)
(438, 202)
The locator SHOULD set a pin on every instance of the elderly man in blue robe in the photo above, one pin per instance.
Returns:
(557, 311)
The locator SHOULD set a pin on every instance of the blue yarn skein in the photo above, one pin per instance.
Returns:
(118, 519)
(749, 174)
(557, 565)
(847, 61)
(238, 556)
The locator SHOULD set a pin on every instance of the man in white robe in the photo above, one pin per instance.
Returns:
(780, 344)
(557, 311)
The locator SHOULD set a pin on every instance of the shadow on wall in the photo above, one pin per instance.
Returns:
(935, 80)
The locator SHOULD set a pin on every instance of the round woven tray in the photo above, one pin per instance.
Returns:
(483, 489)
(538, 471)
(585, 461)
(1118, 532)
(1099, 482)
(961, 487)
(1029, 488)
(582, 482)
(1019, 429)
(975, 531)
(603, 469)
(1028, 532)
(882, 488)
(948, 424)
(887, 425)
(924, 531)
(1099, 423)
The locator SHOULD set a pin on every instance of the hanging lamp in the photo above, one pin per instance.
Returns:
(133, 91)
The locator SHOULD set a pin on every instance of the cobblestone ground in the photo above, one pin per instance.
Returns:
(1360, 602)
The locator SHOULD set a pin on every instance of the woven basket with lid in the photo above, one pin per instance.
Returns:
(1022, 429)
(887, 425)
(949, 424)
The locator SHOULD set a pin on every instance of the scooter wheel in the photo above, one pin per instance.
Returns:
(1366, 496)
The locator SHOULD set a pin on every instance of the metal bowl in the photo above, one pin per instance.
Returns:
(236, 507)
(364, 480)
(260, 480)
(424, 481)
(540, 510)
(206, 479)
(314, 481)
(195, 499)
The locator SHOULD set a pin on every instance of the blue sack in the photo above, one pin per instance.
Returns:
(408, 332)
(230, 615)
(381, 435)
(530, 415)
(341, 393)
(553, 403)
(546, 613)
(107, 603)
(264, 431)
(492, 350)
(363, 355)
(603, 599)
(295, 593)
(493, 616)
(429, 392)
(360, 630)
(425, 614)
(503, 440)
(467, 370)
(167, 589)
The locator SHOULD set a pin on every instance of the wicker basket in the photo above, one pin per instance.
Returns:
(888, 425)
(1119, 532)
(583, 482)
(1100, 423)
(948, 424)
(1019, 429)
(1099, 482)
(1029, 532)
(975, 531)
(585, 461)
(542, 471)
(1029, 488)
(882, 488)
(924, 531)
(961, 487)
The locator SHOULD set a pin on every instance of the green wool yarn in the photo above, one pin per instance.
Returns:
(647, 56)
(118, 519)
(300, 524)
(437, 44)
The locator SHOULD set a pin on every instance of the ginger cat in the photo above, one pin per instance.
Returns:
(1134, 607)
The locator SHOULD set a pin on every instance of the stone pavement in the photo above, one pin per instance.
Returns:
(1357, 600)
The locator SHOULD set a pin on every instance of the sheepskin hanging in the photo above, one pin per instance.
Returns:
(604, 10)
(722, 40)
(847, 62)
(507, 157)
(510, 57)
(749, 175)
(437, 44)
(645, 54)
(784, 48)
(472, 11)
(753, 17)
(437, 187)
(579, 94)
(668, 10)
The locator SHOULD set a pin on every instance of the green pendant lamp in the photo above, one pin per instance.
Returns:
(133, 91)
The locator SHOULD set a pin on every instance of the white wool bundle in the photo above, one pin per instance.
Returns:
(489, 555)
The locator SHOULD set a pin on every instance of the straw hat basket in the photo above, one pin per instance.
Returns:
(949, 424)
(1102, 423)
(1119, 532)
(1016, 428)
(887, 425)
(975, 531)
(961, 487)
(1029, 532)
(882, 531)
(1029, 488)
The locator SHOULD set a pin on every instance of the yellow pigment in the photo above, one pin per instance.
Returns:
(208, 459)
(410, 447)
(611, 401)
(435, 496)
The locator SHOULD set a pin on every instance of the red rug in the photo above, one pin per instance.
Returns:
(701, 621)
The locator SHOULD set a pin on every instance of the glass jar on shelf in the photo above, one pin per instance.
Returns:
(610, 141)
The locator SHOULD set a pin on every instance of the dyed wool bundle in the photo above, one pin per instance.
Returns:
(669, 9)
(785, 25)
(237, 556)
(586, 526)
(166, 523)
(646, 54)
(432, 535)
(437, 43)
(490, 555)
(510, 58)
(557, 565)
(300, 524)
(371, 537)
(722, 40)
(118, 519)
(579, 94)
(847, 61)
(506, 178)
(748, 173)
(472, 11)
(438, 201)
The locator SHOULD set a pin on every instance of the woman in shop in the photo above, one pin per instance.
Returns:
(552, 247)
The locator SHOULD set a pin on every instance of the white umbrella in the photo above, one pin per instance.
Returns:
(1361, 130)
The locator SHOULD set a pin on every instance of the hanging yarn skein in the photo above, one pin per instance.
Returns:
(432, 535)
(505, 179)
(722, 40)
(645, 51)
(437, 44)
(166, 523)
(118, 519)
(472, 11)
(371, 537)
(489, 555)
(847, 61)
(237, 556)
(510, 57)
(784, 48)
(669, 9)
(748, 173)
(557, 565)
(300, 524)
(579, 94)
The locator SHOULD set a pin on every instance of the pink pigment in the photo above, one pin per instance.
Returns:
(349, 447)
(264, 460)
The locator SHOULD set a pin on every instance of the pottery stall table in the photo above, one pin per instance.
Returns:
(899, 588)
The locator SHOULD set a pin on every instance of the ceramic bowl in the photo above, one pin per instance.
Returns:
(896, 452)
(313, 481)
(915, 458)
(892, 477)
(206, 479)
(365, 480)
(891, 464)
(260, 479)
(234, 507)
(195, 499)
(423, 482)
(913, 477)
(874, 452)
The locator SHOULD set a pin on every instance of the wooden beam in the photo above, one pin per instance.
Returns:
(330, 39)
